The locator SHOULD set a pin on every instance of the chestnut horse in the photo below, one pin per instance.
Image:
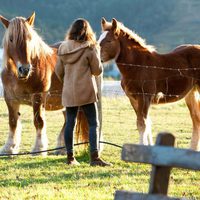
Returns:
(148, 77)
(28, 78)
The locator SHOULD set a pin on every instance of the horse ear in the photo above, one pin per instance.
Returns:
(103, 23)
(114, 24)
(103, 20)
(31, 19)
(115, 27)
(4, 21)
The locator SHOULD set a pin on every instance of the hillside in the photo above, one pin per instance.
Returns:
(164, 24)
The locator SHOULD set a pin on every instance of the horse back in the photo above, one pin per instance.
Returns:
(166, 77)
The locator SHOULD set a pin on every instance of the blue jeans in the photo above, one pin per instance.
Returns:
(91, 113)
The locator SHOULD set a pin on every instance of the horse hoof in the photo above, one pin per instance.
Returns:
(39, 152)
(8, 151)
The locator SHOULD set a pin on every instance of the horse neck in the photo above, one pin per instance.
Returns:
(131, 51)
(44, 62)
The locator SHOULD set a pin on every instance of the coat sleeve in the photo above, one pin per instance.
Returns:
(95, 62)
(59, 69)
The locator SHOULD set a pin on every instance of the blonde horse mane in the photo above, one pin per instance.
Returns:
(17, 32)
(133, 36)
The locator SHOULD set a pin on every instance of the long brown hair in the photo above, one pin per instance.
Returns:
(81, 31)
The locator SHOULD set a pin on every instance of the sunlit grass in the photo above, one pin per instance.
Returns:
(27, 177)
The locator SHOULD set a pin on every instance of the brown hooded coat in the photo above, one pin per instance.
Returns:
(76, 67)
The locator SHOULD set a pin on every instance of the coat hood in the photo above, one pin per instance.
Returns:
(71, 50)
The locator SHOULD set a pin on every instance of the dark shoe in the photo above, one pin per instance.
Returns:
(97, 161)
(71, 160)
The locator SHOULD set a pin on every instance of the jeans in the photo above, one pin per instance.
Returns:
(91, 113)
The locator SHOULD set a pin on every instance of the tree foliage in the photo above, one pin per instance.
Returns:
(164, 24)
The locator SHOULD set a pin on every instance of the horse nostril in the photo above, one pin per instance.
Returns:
(24, 70)
(21, 70)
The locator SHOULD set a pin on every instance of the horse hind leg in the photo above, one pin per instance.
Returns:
(193, 103)
(14, 137)
(60, 139)
(82, 128)
(81, 132)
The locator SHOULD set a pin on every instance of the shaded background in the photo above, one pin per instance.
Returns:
(164, 24)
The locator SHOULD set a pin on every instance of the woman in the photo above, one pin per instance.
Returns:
(78, 63)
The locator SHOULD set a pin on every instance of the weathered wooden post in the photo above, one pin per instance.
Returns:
(163, 157)
(160, 174)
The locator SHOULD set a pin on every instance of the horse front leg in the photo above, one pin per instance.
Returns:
(41, 142)
(143, 121)
(144, 128)
(193, 103)
(14, 136)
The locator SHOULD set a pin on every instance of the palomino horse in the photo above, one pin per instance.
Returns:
(28, 78)
(148, 77)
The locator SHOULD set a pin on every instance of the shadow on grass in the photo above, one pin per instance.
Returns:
(54, 170)
(70, 176)
(33, 162)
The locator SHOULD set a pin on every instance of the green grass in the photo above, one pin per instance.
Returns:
(27, 177)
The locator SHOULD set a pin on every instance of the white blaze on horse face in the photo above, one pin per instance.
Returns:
(102, 36)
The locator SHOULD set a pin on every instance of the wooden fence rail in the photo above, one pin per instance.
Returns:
(163, 157)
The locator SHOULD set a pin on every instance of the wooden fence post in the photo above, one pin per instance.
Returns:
(160, 174)
(163, 156)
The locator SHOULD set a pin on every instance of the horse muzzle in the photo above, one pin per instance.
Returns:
(104, 57)
(24, 71)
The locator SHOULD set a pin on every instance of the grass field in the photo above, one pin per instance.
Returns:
(27, 177)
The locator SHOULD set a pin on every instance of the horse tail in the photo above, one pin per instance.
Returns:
(82, 129)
